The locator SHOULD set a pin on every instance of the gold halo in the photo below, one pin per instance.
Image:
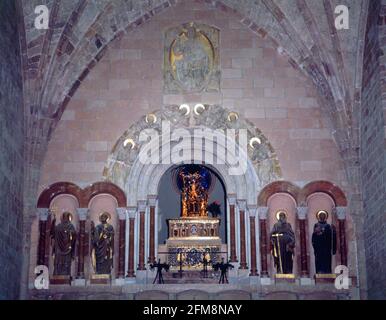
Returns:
(233, 116)
(108, 214)
(278, 214)
(151, 118)
(129, 141)
(320, 212)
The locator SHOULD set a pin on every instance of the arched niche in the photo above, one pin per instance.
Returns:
(283, 202)
(169, 202)
(316, 202)
(59, 205)
(97, 205)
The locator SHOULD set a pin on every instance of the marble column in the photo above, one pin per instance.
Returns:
(121, 212)
(82, 214)
(252, 222)
(302, 216)
(152, 200)
(141, 249)
(42, 254)
(341, 215)
(243, 252)
(232, 227)
(130, 263)
(263, 214)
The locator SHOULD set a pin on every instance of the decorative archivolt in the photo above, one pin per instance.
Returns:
(125, 153)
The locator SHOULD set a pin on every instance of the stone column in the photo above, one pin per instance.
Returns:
(141, 251)
(243, 254)
(263, 214)
(82, 214)
(302, 215)
(130, 263)
(232, 227)
(152, 200)
(121, 212)
(42, 256)
(341, 215)
(252, 217)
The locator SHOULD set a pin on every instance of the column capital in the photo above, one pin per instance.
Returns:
(43, 213)
(340, 212)
(242, 204)
(263, 212)
(252, 209)
(121, 212)
(302, 212)
(82, 213)
(142, 205)
(232, 199)
(131, 212)
(152, 200)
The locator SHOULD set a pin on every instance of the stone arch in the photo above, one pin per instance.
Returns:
(193, 294)
(104, 188)
(327, 187)
(151, 295)
(57, 189)
(234, 295)
(125, 169)
(278, 187)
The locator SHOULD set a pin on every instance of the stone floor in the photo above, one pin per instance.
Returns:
(198, 291)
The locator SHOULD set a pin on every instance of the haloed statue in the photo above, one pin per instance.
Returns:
(63, 236)
(324, 243)
(102, 241)
(282, 244)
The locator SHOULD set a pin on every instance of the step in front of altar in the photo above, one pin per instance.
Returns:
(190, 277)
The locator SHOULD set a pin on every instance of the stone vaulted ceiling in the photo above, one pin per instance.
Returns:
(57, 60)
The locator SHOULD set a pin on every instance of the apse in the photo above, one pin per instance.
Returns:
(169, 201)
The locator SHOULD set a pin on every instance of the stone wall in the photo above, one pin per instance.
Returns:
(257, 82)
(373, 158)
(11, 156)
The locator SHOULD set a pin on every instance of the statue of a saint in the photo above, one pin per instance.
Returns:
(64, 239)
(102, 240)
(282, 244)
(324, 243)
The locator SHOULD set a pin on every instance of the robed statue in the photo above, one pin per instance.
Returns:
(282, 244)
(102, 240)
(63, 236)
(324, 243)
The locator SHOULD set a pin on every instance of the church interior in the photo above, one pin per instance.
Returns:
(193, 149)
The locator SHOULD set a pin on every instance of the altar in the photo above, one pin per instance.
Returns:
(194, 237)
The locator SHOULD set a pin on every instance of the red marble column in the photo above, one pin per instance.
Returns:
(232, 217)
(82, 214)
(47, 244)
(152, 203)
(253, 245)
(81, 244)
(42, 242)
(243, 253)
(342, 242)
(263, 241)
(130, 264)
(303, 249)
(141, 253)
(121, 252)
